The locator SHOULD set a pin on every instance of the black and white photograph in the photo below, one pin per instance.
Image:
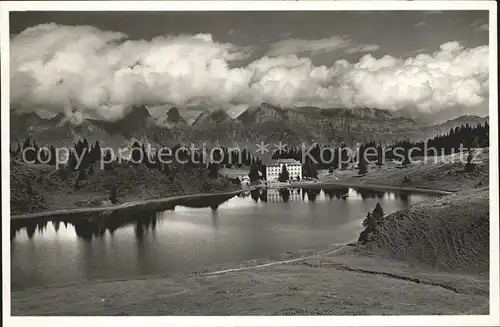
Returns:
(204, 160)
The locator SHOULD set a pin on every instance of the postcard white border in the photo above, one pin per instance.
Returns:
(491, 320)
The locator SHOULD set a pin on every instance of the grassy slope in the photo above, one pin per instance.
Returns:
(37, 188)
(448, 233)
(446, 173)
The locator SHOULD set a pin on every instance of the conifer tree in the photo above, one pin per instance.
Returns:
(362, 169)
(166, 169)
(285, 194)
(406, 158)
(309, 170)
(263, 171)
(469, 165)
(254, 173)
(81, 174)
(367, 220)
(370, 223)
(96, 152)
(72, 161)
(213, 170)
(343, 156)
(27, 143)
(284, 176)
(378, 212)
(53, 155)
(145, 156)
(136, 153)
(113, 196)
(380, 158)
(35, 153)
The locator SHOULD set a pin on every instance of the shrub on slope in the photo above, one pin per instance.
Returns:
(447, 233)
(26, 187)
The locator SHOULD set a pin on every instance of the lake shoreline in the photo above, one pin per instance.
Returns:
(123, 206)
(295, 255)
(166, 200)
(349, 184)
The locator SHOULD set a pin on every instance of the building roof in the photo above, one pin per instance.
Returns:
(285, 161)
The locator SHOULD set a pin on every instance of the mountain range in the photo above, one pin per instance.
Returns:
(264, 123)
(171, 118)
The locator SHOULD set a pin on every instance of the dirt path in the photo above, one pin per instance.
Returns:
(281, 262)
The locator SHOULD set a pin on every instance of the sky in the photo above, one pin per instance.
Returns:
(429, 65)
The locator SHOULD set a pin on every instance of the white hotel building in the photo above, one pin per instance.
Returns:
(273, 170)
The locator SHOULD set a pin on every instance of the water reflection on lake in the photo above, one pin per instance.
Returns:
(191, 236)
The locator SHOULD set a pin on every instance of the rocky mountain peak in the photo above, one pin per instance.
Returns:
(174, 117)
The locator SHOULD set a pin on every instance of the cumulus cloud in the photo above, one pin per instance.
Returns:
(289, 80)
(452, 76)
(420, 24)
(82, 67)
(416, 51)
(298, 46)
(362, 48)
(432, 12)
(483, 27)
(308, 47)
(480, 25)
(85, 71)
